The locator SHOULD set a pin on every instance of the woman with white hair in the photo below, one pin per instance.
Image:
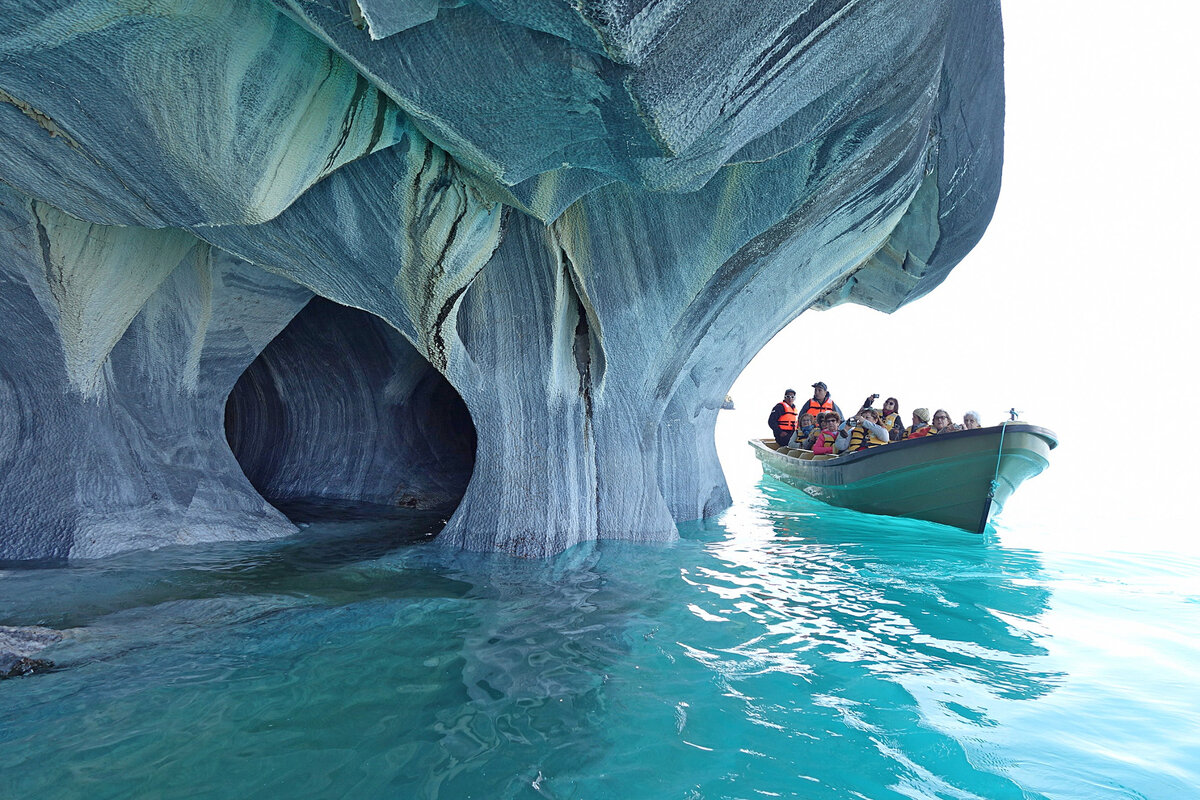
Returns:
(971, 421)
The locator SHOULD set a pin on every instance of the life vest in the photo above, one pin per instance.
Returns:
(811, 406)
(824, 442)
(861, 438)
(894, 427)
(787, 420)
(924, 430)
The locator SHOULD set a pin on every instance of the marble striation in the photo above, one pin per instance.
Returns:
(544, 238)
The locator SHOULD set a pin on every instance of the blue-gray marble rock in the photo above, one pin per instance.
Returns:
(176, 113)
(587, 218)
(383, 429)
(120, 347)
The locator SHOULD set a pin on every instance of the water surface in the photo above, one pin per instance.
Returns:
(787, 649)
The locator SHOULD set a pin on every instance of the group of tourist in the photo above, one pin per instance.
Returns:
(817, 424)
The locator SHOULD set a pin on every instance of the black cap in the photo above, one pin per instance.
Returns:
(820, 385)
(789, 391)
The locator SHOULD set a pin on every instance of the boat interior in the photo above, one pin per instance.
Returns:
(792, 452)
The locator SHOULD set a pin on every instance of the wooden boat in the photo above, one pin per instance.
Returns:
(960, 479)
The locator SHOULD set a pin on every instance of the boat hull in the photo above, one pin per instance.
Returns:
(946, 479)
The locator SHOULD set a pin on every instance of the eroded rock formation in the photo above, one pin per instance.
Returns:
(584, 218)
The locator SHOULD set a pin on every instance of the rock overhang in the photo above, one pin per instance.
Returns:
(587, 218)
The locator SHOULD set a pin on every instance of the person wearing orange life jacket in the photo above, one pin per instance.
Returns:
(783, 418)
(861, 432)
(820, 402)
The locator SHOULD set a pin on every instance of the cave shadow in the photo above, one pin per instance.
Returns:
(341, 423)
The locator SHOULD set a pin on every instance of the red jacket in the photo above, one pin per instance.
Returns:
(824, 443)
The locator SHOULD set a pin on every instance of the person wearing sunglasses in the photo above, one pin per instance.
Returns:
(890, 419)
(942, 423)
(826, 437)
(783, 418)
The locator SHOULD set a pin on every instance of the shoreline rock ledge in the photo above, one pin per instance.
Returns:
(501, 258)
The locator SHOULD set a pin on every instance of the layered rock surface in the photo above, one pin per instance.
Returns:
(578, 221)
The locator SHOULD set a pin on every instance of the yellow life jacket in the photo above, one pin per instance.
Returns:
(861, 439)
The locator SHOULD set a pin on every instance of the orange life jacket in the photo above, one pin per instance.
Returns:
(924, 430)
(787, 420)
(811, 406)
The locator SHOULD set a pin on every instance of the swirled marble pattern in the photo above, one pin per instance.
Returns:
(582, 219)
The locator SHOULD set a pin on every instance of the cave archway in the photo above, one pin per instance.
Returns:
(341, 415)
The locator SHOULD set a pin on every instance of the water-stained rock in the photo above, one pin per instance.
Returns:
(18, 645)
(586, 217)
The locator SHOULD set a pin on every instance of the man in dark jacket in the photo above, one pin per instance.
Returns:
(783, 418)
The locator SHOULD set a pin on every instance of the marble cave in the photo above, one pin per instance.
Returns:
(500, 259)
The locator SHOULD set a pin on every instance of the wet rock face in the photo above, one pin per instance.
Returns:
(18, 645)
(582, 231)
(382, 428)
(120, 346)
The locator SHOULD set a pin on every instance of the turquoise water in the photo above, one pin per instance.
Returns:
(787, 649)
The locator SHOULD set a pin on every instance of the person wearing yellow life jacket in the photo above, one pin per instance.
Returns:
(821, 402)
(811, 437)
(890, 419)
(783, 418)
(807, 424)
(826, 438)
(862, 432)
(920, 424)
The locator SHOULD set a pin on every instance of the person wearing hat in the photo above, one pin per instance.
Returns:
(821, 402)
(783, 418)
(920, 425)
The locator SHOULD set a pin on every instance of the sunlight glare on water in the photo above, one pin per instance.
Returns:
(788, 649)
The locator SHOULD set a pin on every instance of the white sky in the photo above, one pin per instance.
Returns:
(1080, 304)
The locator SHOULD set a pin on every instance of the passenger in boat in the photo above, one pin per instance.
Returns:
(920, 424)
(826, 437)
(890, 419)
(971, 421)
(942, 423)
(861, 432)
(820, 401)
(807, 442)
(783, 418)
(808, 424)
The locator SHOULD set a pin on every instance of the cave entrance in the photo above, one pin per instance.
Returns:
(340, 417)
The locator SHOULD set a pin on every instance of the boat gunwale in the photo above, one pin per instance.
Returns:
(892, 447)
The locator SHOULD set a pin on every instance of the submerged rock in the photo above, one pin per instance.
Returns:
(584, 230)
(17, 647)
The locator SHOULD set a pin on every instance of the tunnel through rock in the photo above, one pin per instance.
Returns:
(340, 414)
